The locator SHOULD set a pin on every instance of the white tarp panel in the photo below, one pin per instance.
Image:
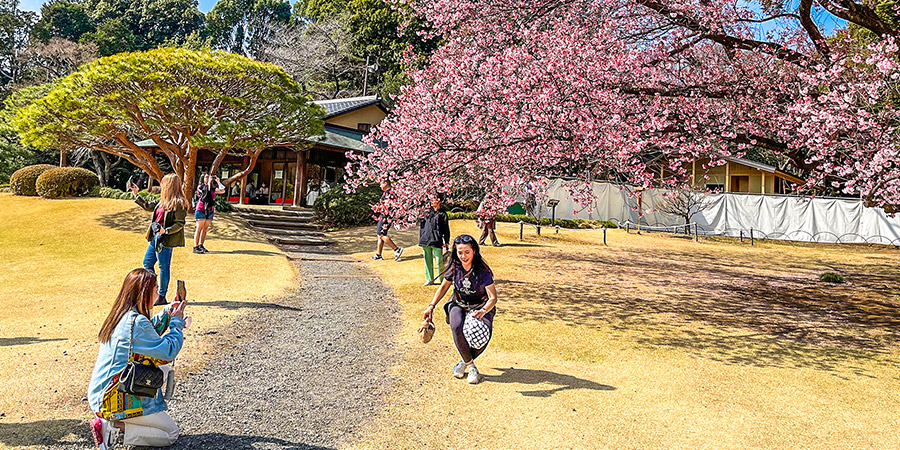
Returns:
(770, 216)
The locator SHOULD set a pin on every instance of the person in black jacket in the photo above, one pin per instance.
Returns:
(434, 236)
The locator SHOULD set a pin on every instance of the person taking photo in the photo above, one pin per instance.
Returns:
(130, 333)
(204, 208)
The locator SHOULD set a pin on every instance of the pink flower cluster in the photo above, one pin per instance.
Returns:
(523, 90)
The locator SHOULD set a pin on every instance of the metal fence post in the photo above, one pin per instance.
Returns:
(538, 227)
(627, 227)
(751, 237)
(604, 235)
(696, 234)
(521, 229)
(742, 236)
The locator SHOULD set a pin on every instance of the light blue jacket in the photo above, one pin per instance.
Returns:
(113, 355)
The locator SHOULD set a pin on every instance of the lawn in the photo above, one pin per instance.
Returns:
(63, 264)
(654, 342)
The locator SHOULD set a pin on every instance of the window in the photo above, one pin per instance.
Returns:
(715, 187)
(364, 127)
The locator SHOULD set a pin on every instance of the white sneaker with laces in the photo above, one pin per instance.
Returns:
(398, 253)
(459, 370)
(112, 436)
(474, 376)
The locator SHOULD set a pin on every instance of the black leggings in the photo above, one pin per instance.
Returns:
(457, 319)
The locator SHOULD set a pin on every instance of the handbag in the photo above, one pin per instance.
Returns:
(140, 378)
(476, 331)
(426, 331)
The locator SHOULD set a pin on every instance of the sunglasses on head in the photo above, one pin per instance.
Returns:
(464, 239)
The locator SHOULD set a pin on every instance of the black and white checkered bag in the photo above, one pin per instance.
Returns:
(476, 331)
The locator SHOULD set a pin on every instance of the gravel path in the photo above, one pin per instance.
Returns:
(307, 371)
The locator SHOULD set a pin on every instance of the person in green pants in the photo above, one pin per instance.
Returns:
(434, 236)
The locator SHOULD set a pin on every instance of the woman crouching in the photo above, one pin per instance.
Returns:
(130, 330)
(474, 296)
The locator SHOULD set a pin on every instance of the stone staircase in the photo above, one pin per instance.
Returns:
(288, 226)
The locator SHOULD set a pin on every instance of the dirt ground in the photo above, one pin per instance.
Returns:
(63, 262)
(653, 342)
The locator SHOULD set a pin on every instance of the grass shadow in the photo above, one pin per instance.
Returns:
(227, 226)
(238, 442)
(245, 252)
(536, 376)
(25, 340)
(44, 433)
(234, 305)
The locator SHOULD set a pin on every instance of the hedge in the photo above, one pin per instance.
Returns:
(23, 180)
(562, 223)
(62, 182)
(5, 188)
(338, 208)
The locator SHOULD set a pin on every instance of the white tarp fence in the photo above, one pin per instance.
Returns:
(769, 216)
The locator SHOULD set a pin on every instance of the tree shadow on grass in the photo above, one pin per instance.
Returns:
(237, 442)
(534, 376)
(25, 340)
(245, 252)
(233, 305)
(735, 309)
(228, 227)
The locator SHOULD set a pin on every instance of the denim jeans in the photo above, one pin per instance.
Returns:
(165, 261)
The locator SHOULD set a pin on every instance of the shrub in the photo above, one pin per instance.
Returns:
(23, 180)
(95, 192)
(222, 204)
(62, 182)
(108, 192)
(148, 196)
(831, 277)
(338, 208)
(5, 188)
(562, 223)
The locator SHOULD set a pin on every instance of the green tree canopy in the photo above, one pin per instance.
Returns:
(243, 26)
(182, 100)
(152, 22)
(65, 19)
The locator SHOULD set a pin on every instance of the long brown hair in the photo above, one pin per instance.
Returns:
(137, 292)
(171, 194)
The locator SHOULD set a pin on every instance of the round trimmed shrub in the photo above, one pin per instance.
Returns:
(62, 182)
(22, 181)
(338, 208)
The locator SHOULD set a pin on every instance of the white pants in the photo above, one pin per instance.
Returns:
(155, 430)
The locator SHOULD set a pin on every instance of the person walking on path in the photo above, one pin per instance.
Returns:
(474, 298)
(488, 224)
(434, 236)
(130, 330)
(204, 207)
(381, 230)
(166, 230)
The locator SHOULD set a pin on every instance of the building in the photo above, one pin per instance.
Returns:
(740, 175)
(291, 176)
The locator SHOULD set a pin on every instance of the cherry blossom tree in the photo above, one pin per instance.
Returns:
(522, 90)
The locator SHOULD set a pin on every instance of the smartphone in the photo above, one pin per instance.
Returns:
(182, 291)
(129, 183)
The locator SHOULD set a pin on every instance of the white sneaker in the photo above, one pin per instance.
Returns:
(474, 376)
(112, 436)
(398, 253)
(459, 370)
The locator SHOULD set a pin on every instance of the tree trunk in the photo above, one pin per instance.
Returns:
(62, 158)
(102, 171)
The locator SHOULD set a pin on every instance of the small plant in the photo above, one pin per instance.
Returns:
(831, 277)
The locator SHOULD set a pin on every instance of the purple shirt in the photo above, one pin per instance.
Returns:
(471, 287)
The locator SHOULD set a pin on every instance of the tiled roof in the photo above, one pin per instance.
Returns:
(334, 137)
(339, 106)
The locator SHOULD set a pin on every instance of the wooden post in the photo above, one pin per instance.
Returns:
(727, 176)
(243, 191)
(521, 229)
(538, 227)
(763, 182)
(557, 229)
(742, 236)
(751, 237)
(604, 235)
(301, 162)
(696, 233)
(62, 158)
(303, 177)
(628, 227)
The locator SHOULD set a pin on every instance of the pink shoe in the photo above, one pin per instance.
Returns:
(97, 432)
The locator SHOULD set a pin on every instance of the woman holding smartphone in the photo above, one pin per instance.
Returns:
(129, 329)
(166, 230)
(209, 187)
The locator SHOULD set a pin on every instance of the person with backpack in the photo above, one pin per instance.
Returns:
(166, 230)
(204, 208)
(434, 238)
(471, 309)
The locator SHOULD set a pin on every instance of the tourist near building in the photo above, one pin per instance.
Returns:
(291, 176)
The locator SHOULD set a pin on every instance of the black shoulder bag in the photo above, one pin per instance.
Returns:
(142, 379)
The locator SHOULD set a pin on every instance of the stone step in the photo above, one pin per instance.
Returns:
(293, 212)
(274, 218)
(292, 233)
(283, 225)
(290, 240)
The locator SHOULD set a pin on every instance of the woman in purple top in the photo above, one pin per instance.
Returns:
(205, 205)
(473, 291)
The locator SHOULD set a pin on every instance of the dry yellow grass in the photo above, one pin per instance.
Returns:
(63, 263)
(654, 342)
